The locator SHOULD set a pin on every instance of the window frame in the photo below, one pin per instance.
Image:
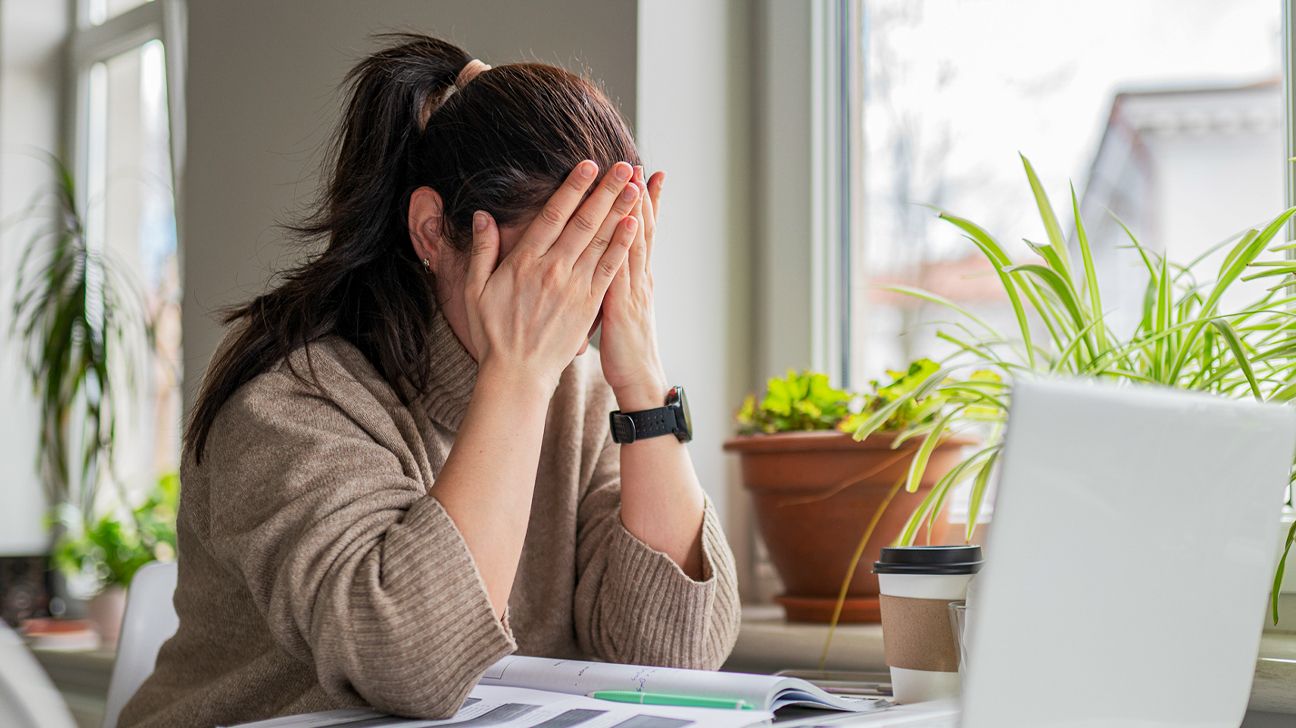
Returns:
(836, 146)
(163, 20)
(90, 44)
(1289, 108)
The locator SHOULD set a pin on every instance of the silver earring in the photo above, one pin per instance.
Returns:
(427, 265)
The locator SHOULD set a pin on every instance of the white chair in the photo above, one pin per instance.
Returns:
(27, 697)
(149, 621)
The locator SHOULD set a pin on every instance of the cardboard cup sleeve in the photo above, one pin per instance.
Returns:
(916, 634)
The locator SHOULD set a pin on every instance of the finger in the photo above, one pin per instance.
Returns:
(484, 255)
(639, 249)
(613, 257)
(549, 224)
(655, 184)
(624, 205)
(654, 209)
(620, 285)
(585, 222)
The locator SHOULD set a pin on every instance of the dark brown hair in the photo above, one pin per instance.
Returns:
(502, 143)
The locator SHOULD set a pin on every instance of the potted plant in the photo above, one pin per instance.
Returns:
(85, 332)
(108, 551)
(821, 497)
(1187, 336)
(84, 329)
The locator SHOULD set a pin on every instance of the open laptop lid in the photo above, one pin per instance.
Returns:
(1129, 559)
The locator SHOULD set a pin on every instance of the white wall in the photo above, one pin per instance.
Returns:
(31, 37)
(694, 87)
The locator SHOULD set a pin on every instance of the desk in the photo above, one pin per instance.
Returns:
(765, 644)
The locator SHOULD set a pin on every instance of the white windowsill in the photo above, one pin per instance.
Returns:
(766, 643)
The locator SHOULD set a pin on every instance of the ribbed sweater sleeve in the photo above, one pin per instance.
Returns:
(634, 604)
(354, 567)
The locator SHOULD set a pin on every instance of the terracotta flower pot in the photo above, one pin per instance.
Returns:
(815, 493)
(105, 612)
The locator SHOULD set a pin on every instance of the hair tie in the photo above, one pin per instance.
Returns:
(469, 72)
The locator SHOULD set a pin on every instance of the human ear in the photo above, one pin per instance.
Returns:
(425, 227)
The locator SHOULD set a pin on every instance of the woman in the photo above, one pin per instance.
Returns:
(399, 467)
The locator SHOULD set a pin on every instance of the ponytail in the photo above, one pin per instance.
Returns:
(501, 144)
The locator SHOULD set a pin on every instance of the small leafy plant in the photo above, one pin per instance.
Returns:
(799, 402)
(111, 550)
(805, 401)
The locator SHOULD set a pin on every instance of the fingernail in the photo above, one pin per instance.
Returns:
(629, 193)
(623, 171)
(480, 220)
(587, 169)
(639, 175)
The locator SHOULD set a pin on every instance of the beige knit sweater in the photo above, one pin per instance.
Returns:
(316, 571)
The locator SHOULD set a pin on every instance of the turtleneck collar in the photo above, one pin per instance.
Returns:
(452, 374)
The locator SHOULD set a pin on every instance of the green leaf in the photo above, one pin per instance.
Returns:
(941, 301)
(1065, 293)
(1282, 568)
(1091, 274)
(1239, 355)
(1061, 256)
(1238, 259)
(979, 485)
(1161, 321)
(999, 259)
(927, 507)
(918, 466)
(874, 421)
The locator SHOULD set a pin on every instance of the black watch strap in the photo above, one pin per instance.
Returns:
(630, 426)
(673, 419)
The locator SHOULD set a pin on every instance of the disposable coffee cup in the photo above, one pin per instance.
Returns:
(917, 584)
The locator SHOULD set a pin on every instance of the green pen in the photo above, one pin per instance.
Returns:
(678, 701)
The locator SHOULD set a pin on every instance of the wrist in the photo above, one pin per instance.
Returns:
(518, 384)
(646, 394)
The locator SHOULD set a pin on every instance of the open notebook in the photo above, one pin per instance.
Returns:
(576, 677)
(530, 692)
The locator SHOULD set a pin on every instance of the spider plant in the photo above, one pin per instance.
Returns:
(1186, 337)
(82, 323)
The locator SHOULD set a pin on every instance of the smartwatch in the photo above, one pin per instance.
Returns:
(673, 419)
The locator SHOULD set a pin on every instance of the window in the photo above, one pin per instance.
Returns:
(1165, 112)
(125, 78)
(97, 11)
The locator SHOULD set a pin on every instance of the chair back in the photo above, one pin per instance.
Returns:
(27, 697)
(149, 621)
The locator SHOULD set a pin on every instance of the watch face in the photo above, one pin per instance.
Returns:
(683, 412)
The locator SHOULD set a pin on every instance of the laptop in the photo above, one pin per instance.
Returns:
(1128, 566)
